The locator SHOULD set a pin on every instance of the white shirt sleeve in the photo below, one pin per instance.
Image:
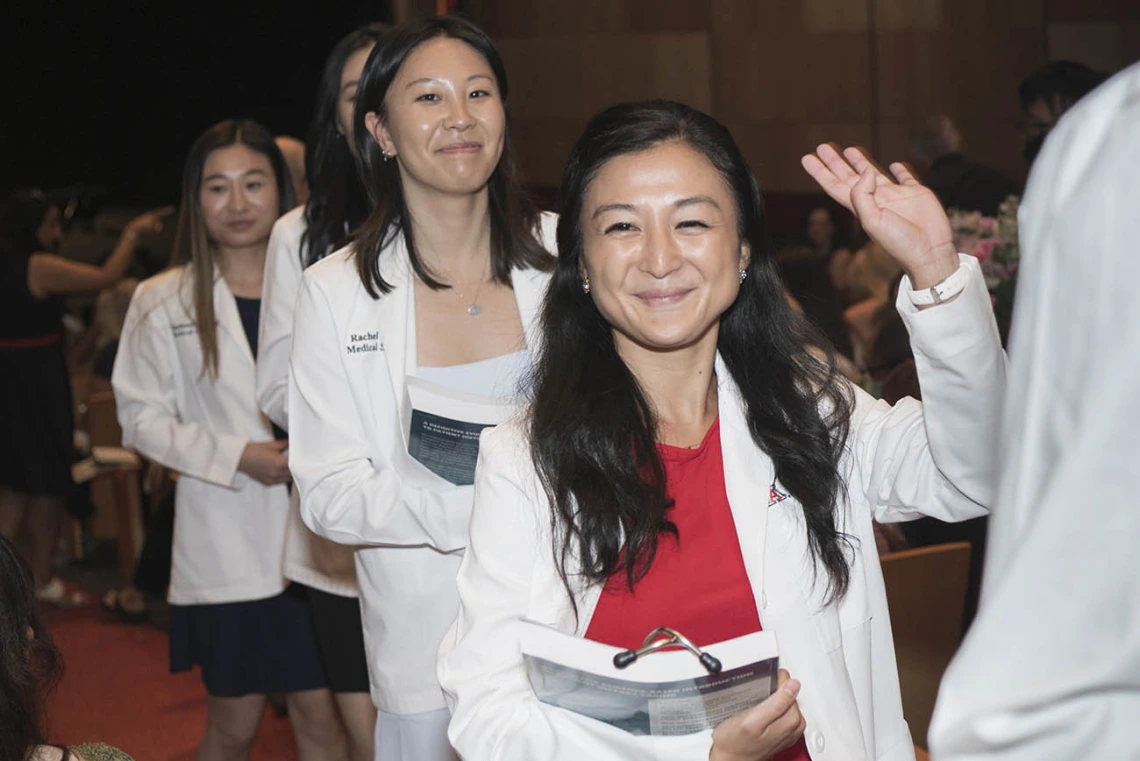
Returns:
(937, 458)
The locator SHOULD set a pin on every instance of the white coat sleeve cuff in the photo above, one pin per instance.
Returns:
(227, 457)
(946, 330)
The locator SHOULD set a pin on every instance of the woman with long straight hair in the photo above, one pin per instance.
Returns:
(337, 205)
(689, 461)
(438, 290)
(185, 388)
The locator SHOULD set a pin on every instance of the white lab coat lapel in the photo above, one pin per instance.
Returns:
(229, 320)
(747, 472)
(776, 569)
(396, 324)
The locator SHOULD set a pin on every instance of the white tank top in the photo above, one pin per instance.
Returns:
(497, 377)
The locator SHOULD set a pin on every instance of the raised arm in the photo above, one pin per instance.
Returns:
(346, 495)
(54, 275)
(939, 457)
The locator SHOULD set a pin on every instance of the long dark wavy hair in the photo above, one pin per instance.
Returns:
(337, 201)
(192, 246)
(29, 662)
(514, 217)
(608, 499)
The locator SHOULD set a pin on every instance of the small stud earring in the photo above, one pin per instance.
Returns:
(743, 275)
(585, 283)
(387, 156)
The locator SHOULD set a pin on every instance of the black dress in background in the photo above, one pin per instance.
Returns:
(36, 451)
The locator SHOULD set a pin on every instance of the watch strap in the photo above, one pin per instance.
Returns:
(944, 291)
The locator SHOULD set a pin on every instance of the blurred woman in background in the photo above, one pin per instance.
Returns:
(337, 205)
(185, 389)
(36, 450)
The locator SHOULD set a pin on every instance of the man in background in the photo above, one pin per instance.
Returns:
(1048, 93)
(958, 182)
(1050, 670)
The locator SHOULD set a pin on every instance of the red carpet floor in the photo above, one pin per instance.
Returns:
(117, 688)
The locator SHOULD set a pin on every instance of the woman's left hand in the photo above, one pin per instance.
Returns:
(903, 217)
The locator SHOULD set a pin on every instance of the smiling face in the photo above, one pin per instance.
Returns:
(346, 96)
(238, 197)
(661, 247)
(444, 120)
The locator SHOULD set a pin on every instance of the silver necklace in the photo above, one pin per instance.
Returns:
(473, 309)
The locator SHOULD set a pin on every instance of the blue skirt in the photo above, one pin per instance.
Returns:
(244, 648)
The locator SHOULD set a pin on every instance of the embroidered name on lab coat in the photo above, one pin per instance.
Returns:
(359, 343)
(184, 329)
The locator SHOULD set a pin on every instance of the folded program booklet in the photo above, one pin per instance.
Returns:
(667, 692)
(445, 428)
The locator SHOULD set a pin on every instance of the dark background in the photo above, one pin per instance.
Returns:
(110, 95)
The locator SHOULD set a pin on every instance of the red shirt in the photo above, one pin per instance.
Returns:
(697, 583)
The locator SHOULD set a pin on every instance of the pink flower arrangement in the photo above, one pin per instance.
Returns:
(993, 242)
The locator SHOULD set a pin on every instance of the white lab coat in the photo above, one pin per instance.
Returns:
(1051, 667)
(309, 559)
(229, 530)
(900, 464)
(349, 419)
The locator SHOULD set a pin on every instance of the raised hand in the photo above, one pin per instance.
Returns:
(903, 217)
(150, 222)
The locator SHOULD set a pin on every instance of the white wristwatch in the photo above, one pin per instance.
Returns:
(947, 289)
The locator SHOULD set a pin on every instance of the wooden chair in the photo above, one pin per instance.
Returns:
(116, 492)
(926, 595)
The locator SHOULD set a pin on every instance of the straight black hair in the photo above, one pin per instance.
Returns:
(593, 432)
(192, 246)
(514, 217)
(337, 201)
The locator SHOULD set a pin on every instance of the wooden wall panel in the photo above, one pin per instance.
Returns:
(1104, 34)
(786, 74)
(558, 82)
(966, 67)
(1070, 11)
(517, 18)
(790, 74)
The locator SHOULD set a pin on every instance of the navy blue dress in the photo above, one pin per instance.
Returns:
(248, 647)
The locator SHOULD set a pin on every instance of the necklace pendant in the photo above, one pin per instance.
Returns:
(474, 310)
